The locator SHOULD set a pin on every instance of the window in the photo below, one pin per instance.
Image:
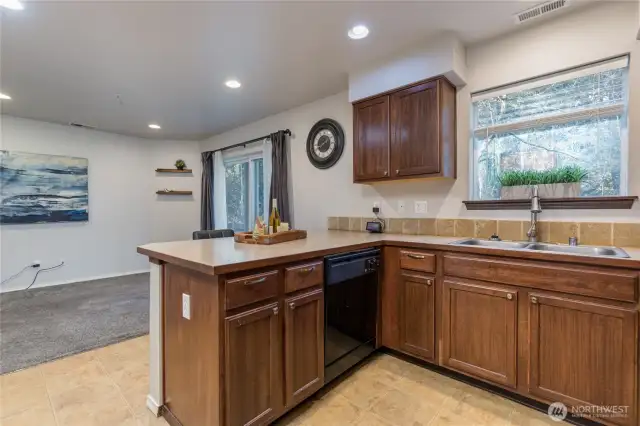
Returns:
(574, 118)
(244, 181)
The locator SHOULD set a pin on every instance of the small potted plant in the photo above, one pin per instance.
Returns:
(563, 182)
(180, 164)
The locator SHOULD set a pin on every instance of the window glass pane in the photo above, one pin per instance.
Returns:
(237, 185)
(258, 193)
(593, 141)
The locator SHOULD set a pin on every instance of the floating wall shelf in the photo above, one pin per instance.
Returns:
(174, 171)
(555, 203)
(173, 192)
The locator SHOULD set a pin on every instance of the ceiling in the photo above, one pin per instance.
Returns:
(118, 66)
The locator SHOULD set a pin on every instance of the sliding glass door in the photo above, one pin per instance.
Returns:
(245, 192)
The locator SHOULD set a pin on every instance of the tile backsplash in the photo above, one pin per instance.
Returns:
(589, 233)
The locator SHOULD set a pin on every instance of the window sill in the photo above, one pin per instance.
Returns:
(605, 203)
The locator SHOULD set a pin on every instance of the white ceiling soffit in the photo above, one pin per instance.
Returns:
(119, 65)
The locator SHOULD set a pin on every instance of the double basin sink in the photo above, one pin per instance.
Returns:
(545, 247)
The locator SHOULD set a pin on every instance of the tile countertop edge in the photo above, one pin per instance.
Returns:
(162, 252)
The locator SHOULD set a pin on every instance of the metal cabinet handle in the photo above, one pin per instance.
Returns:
(256, 281)
(275, 311)
(429, 282)
(292, 305)
(509, 296)
(397, 171)
(534, 299)
(415, 256)
(386, 172)
(307, 270)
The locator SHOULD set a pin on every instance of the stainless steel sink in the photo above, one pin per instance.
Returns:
(553, 248)
(488, 243)
(583, 250)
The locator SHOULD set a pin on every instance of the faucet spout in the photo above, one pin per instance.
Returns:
(532, 233)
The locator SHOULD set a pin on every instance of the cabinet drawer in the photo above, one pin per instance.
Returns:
(303, 276)
(253, 288)
(615, 284)
(417, 261)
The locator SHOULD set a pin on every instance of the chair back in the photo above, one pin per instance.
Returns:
(212, 233)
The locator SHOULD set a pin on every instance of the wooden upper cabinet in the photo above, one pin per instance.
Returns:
(304, 346)
(371, 140)
(417, 315)
(420, 138)
(583, 353)
(253, 367)
(415, 149)
(479, 330)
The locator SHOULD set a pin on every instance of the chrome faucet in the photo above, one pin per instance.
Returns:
(532, 233)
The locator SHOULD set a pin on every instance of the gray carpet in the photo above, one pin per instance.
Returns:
(44, 324)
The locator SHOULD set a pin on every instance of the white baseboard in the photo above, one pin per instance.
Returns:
(93, 278)
(153, 406)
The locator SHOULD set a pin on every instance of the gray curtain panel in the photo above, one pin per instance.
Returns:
(279, 176)
(206, 215)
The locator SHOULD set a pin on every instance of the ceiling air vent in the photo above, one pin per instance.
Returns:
(82, 126)
(540, 10)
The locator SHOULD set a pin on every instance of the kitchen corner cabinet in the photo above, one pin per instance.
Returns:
(406, 133)
(253, 362)
(417, 315)
(479, 330)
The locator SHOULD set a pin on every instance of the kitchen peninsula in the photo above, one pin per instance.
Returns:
(237, 331)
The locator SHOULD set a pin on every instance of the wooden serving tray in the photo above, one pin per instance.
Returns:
(279, 237)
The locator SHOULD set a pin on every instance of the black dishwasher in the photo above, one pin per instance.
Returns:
(351, 305)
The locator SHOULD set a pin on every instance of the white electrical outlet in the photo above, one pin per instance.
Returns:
(186, 306)
(401, 206)
(420, 207)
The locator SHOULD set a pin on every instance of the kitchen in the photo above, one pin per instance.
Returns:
(533, 316)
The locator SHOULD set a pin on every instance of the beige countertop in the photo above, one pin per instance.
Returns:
(224, 255)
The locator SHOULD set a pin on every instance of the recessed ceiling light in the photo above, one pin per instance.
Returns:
(154, 126)
(234, 84)
(5, 97)
(12, 4)
(358, 32)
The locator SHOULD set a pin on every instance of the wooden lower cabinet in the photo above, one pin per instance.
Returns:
(304, 346)
(583, 353)
(479, 330)
(253, 367)
(417, 314)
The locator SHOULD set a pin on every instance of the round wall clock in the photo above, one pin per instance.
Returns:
(325, 143)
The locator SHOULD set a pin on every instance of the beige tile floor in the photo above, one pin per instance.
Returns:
(108, 387)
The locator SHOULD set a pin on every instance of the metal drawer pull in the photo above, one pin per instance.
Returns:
(386, 172)
(534, 299)
(415, 256)
(509, 296)
(307, 270)
(429, 282)
(275, 311)
(257, 281)
(292, 305)
(397, 171)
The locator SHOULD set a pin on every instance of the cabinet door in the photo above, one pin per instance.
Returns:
(415, 141)
(583, 353)
(253, 367)
(417, 315)
(304, 346)
(479, 330)
(371, 139)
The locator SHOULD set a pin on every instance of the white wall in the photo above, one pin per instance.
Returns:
(594, 33)
(124, 211)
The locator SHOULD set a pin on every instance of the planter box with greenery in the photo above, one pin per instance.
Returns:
(563, 182)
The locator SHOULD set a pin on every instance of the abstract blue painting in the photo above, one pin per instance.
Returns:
(39, 188)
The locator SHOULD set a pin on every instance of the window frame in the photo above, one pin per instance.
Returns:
(248, 156)
(622, 61)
